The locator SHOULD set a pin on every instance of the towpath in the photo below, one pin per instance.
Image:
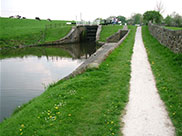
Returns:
(145, 112)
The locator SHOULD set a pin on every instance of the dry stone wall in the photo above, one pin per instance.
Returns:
(169, 38)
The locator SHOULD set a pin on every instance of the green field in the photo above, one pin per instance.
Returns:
(88, 104)
(108, 30)
(15, 32)
(174, 28)
(167, 69)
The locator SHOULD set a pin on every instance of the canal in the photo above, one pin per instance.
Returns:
(26, 73)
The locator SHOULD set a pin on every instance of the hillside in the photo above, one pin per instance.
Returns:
(16, 32)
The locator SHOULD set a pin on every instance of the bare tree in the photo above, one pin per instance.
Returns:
(160, 7)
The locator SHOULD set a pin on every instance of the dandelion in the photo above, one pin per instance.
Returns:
(56, 107)
(48, 113)
(21, 133)
(22, 125)
(112, 122)
(112, 133)
(50, 117)
(20, 129)
(69, 115)
(152, 63)
(58, 113)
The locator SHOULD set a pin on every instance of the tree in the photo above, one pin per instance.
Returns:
(122, 19)
(137, 18)
(168, 21)
(153, 16)
(177, 19)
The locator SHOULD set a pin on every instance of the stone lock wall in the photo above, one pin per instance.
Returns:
(169, 38)
(117, 36)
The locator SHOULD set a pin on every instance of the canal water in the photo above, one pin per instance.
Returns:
(25, 73)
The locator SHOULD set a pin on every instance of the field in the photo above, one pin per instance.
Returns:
(15, 32)
(167, 69)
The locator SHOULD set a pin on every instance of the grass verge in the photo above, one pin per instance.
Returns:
(15, 32)
(167, 69)
(108, 30)
(88, 104)
(174, 28)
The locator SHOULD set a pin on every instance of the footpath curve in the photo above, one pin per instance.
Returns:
(145, 111)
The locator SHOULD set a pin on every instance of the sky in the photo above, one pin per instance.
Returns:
(85, 9)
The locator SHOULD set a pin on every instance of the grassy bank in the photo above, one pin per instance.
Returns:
(108, 30)
(167, 69)
(174, 28)
(15, 32)
(89, 104)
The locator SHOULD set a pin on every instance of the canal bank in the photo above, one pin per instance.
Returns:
(90, 101)
(26, 72)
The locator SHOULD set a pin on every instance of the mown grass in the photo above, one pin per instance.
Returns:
(108, 30)
(88, 104)
(167, 69)
(15, 32)
(174, 28)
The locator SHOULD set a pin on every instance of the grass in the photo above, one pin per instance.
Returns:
(174, 28)
(108, 30)
(15, 32)
(167, 69)
(88, 104)
(34, 51)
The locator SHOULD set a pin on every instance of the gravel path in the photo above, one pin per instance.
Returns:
(145, 112)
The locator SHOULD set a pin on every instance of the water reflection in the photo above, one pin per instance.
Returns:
(25, 72)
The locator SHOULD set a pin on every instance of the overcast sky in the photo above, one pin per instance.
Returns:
(89, 9)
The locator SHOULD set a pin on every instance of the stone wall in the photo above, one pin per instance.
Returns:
(169, 38)
(72, 37)
(117, 36)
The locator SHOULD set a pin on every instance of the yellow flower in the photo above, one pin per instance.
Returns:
(20, 129)
(38, 117)
(152, 62)
(112, 133)
(48, 113)
(58, 112)
(69, 115)
(21, 133)
(50, 116)
(56, 107)
(22, 125)
(107, 122)
(112, 122)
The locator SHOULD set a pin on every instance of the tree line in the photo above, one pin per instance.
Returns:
(153, 16)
